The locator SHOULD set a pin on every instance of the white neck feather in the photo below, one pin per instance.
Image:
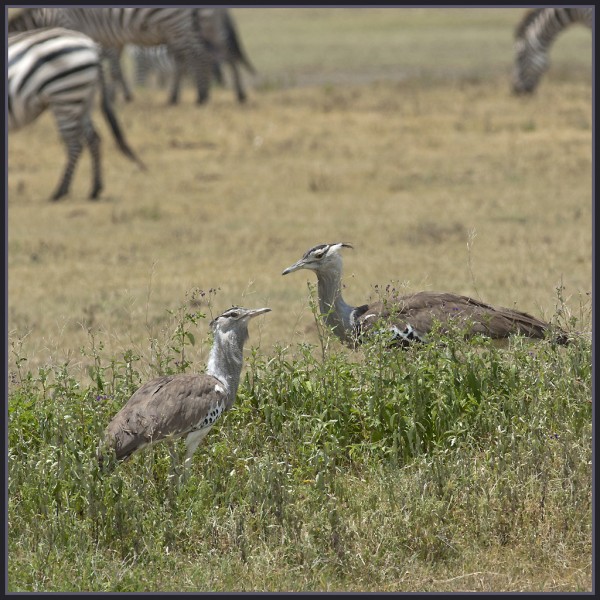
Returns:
(226, 360)
(335, 311)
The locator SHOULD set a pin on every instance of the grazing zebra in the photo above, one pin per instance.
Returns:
(534, 36)
(218, 28)
(60, 70)
(146, 60)
(114, 27)
(31, 18)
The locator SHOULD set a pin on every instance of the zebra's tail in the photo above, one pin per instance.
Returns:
(111, 118)
(234, 45)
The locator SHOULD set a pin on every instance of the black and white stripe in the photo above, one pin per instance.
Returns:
(32, 18)
(534, 36)
(60, 70)
(219, 32)
(25, 20)
(157, 62)
(151, 61)
(217, 26)
(118, 79)
(116, 27)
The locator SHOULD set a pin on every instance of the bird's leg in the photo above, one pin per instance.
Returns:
(185, 473)
(187, 464)
(192, 441)
(175, 470)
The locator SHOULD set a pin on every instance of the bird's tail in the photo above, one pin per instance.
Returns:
(535, 328)
(561, 338)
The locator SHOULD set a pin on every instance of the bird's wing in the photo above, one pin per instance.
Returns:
(172, 405)
(413, 317)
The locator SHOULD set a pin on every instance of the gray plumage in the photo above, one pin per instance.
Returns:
(412, 317)
(184, 405)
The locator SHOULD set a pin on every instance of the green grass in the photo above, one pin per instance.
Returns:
(389, 471)
(431, 43)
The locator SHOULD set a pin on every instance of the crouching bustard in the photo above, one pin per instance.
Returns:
(183, 405)
(409, 318)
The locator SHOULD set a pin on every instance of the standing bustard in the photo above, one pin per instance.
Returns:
(184, 405)
(412, 317)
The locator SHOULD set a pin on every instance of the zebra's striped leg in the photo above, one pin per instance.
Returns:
(93, 142)
(237, 81)
(72, 137)
(180, 56)
(118, 80)
(203, 85)
(199, 63)
(217, 73)
(176, 84)
(127, 93)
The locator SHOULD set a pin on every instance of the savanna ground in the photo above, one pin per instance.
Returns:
(448, 470)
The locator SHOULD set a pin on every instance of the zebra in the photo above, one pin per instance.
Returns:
(114, 27)
(30, 18)
(219, 27)
(533, 37)
(148, 60)
(60, 70)
(216, 26)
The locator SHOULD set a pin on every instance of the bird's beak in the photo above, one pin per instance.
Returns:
(295, 267)
(258, 311)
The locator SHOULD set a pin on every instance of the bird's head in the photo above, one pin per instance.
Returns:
(320, 258)
(236, 318)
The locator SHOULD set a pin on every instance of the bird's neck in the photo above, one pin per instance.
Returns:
(335, 311)
(226, 360)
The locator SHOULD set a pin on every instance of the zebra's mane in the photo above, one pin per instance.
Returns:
(527, 20)
(26, 19)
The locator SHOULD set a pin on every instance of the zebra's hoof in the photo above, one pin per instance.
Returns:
(95, 193)
(58, 195)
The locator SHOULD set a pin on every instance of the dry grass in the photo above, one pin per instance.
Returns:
(415, 152)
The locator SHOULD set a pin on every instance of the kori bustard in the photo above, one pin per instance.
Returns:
(411, 317)
(184, 405)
